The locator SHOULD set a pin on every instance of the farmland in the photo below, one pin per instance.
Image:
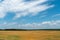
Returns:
(30, 35)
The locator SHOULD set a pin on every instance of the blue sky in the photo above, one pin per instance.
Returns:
(29, 14)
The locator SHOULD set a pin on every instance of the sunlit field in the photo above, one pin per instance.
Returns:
(30, 35)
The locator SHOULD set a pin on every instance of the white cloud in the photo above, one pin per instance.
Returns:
(42, 25)
(22, 8)
(42, 16)
(56, 15)
(2, 12)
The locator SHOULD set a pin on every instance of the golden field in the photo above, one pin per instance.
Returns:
(29, 35)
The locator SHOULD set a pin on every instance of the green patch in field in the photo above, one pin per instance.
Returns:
(53, 37)
(57, 36)
(2, 37)
(13, 37)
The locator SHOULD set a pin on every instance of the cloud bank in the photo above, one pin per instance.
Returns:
(42, 25)
(23, 7)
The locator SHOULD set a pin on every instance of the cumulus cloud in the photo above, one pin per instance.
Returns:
(42, 25)
(22, 8)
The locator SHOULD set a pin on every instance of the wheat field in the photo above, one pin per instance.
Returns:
(29, 35)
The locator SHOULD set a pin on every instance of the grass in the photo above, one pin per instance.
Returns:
(30, 35)
(13, 37)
